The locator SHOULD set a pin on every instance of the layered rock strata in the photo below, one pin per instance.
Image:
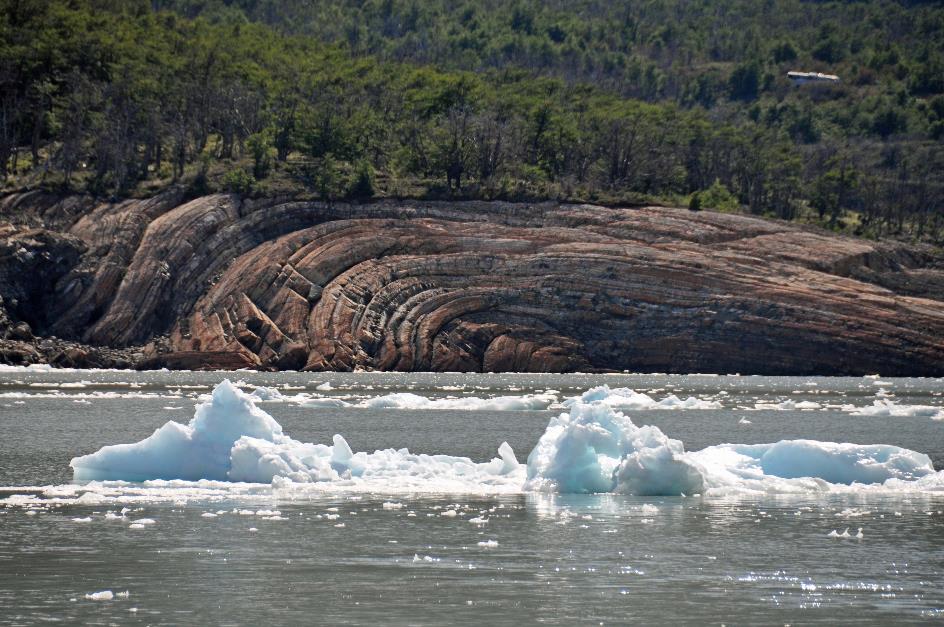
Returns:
(471, 287)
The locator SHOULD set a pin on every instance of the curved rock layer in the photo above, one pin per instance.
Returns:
(482, 287)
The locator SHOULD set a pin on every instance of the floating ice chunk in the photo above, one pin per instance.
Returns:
(885, 407)
(392, 505)
(596, 449)
(82, 520)
(325, 402)
(804, 465)
(478, 520)
(788, 405)
(231, 439)
(104, 595)
(267, 394)
(208, 515)
(488, 544)
(450, 513)
(845, 535)
(144, 521)
(744, 421)
(590, 448)
(627, 399)
(324, 387)
(408, 400)
(199, 450)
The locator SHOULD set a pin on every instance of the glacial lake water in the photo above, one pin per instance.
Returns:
(252, 554)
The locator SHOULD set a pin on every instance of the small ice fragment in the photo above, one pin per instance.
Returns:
(135, 526)
(744, 421)
(489, 544)
(478, 520)
(253, 529)
(123, 595)
(391, 505)
(340, 525)
(324, 387)
(82, 520)
(104, 595)
(450, 513)
(208, 515)
(145, 521)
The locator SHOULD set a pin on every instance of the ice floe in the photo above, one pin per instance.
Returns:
(407, 400)
(885, 407)
(592, 447)
(627, 399)
(231, 439)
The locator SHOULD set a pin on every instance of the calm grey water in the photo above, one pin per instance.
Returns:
(545, 559)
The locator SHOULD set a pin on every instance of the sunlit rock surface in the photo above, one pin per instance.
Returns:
(481, 286)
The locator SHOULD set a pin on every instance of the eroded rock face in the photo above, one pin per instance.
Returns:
(487, 286)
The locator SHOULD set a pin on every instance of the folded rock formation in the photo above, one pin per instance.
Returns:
(470, 286)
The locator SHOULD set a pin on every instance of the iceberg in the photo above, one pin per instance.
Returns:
(596, 449)
(407, 400)
(628, 399)
(891, 409)
(200, 449)
(231, 439)
(590, 448)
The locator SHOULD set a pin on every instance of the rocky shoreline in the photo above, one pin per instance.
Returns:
(224, 282)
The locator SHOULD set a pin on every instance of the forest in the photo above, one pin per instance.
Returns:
(683, 102)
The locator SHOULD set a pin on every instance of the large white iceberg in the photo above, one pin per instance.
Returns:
(590, 448)
(231, 439)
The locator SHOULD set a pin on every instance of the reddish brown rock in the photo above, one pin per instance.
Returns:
(489, 286)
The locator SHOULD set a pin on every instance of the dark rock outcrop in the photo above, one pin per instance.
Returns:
(474, 286)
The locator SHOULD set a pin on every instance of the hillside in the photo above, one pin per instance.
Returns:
(225, 281)
(657, 102)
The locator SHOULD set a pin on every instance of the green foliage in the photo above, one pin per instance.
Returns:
(718, 197)
(745, 81)
(591, 100)
(694, 204)
(261, 150)
(239, 181)
(362, 187)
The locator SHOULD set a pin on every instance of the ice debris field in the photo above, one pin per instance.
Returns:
(592, 447)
